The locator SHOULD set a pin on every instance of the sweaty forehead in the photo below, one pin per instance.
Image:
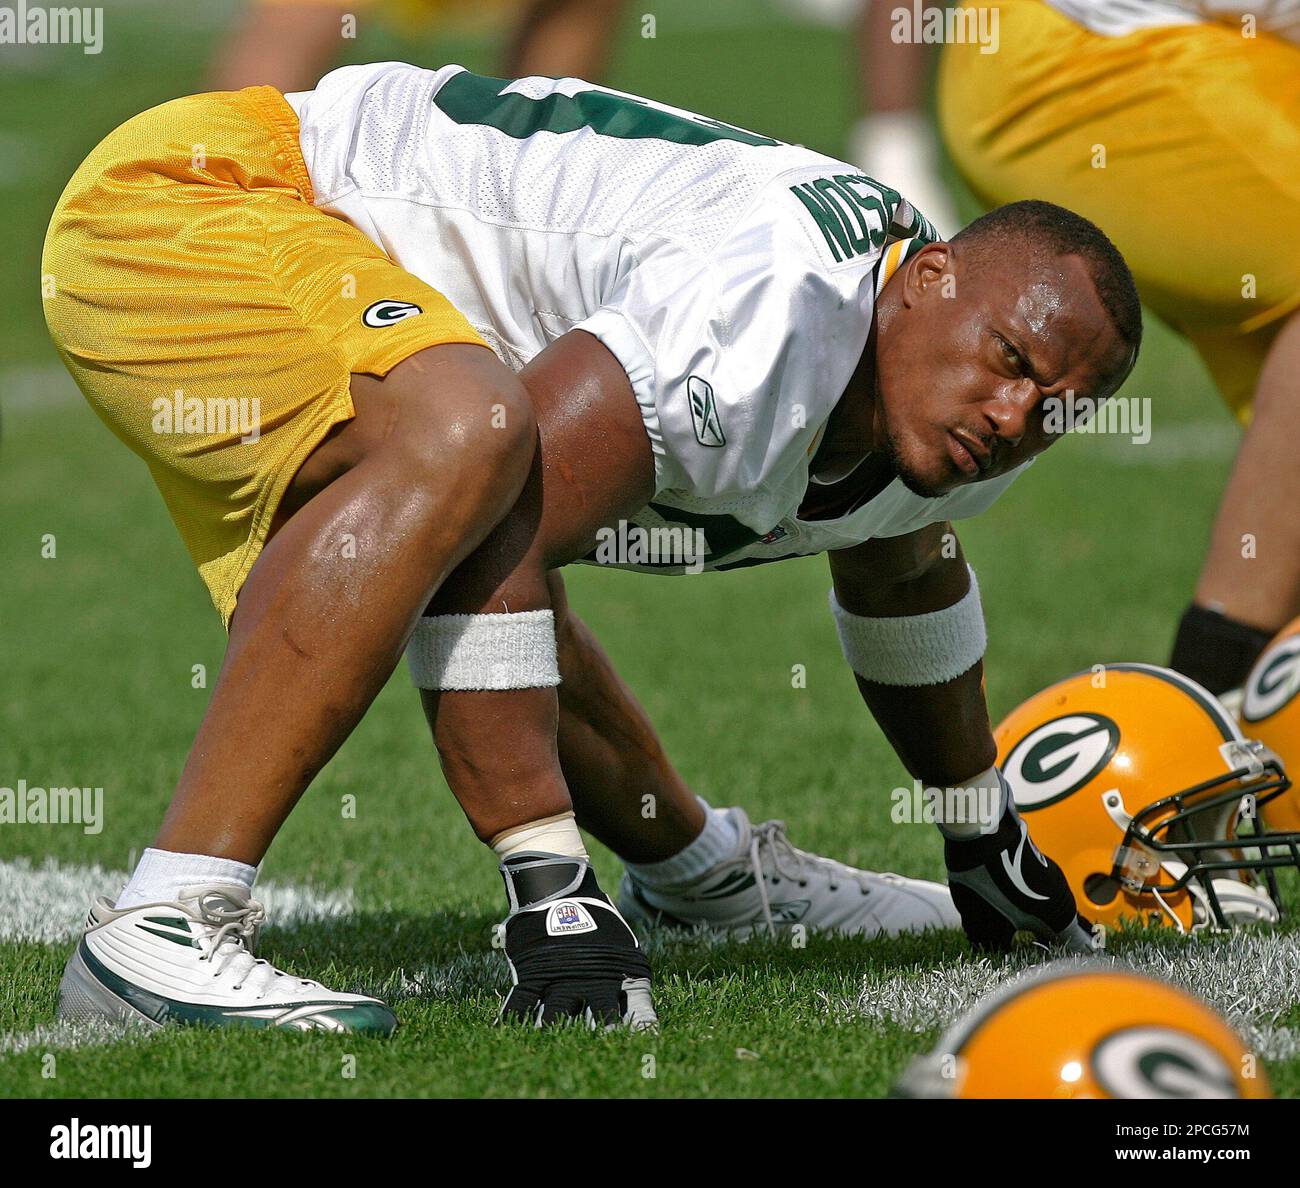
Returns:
(1045, 305)
(1063, 320)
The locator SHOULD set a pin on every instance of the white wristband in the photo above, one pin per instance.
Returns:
(510, 651)
(914, 649)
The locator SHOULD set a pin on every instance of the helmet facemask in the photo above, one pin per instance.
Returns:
(1176, 845)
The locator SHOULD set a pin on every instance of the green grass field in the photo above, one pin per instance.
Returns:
(1089, 559)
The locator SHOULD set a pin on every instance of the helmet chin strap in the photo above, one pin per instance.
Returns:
(1241, 903)
(1168, 911)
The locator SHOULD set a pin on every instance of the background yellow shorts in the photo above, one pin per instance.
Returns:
(1200, 190)
(213, 317)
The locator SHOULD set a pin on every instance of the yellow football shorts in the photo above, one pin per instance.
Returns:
(213, 316)
(1182, 143)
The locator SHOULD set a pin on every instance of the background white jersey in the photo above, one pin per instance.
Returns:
(1116, 18)
(732, 275)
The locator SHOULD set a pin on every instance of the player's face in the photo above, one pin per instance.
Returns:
(969, 371)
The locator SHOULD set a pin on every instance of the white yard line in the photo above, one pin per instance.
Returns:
(46, 904)
(63, 1035)
(1252, 979)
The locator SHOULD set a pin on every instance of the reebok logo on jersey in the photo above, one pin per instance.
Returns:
(385, 313)
(568, 917)
(704, 415)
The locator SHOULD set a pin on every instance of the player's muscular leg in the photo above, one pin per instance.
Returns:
(1262, 589)
(486, 663)
(612, 760)
(593, 465)
(380, 514)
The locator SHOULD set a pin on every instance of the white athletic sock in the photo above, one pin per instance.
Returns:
(717, 840)
(161, 875)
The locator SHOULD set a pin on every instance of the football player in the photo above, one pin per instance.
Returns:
(692, 328)
(1192, 104)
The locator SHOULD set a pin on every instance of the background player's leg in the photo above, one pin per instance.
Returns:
(320, 627)
(895, 137)
(286, 46)
(564, 38)
(1260, 585)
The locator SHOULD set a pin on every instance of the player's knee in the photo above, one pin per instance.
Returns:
(506, 438)
(483, 434)
(491, 451)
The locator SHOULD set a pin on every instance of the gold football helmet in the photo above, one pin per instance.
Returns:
(1142, 787)
(1079, 1031)
(1270, 710)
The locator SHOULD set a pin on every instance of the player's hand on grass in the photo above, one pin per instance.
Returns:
(1001, 883)
(571, 955)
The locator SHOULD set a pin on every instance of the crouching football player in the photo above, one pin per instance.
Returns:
(689, 324)
(774, 355)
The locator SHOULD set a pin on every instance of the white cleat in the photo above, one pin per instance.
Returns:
(192, 961)
(768, 885)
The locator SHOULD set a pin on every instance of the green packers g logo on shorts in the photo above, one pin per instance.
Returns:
(385, 313)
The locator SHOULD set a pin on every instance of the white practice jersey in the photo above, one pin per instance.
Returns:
(732, 275)
(1117, 18)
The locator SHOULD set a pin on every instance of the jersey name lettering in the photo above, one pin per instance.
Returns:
(840, 212)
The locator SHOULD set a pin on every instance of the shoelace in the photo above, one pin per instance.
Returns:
(233, 943)
(770, 836)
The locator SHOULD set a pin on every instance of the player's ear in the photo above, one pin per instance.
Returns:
(929, 273)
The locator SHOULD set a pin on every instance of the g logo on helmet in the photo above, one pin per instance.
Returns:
(385, 313)
(1274, 681)
(1159, 1062)
(1056, 759)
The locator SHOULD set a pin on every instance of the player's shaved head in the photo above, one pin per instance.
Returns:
(1028, 308)
(1043, 229)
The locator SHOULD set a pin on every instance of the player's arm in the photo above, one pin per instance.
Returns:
(484, 658)
(940, 730)
(910, 623)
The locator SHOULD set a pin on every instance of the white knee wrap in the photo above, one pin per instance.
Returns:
(914, 649)
(510, 651)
